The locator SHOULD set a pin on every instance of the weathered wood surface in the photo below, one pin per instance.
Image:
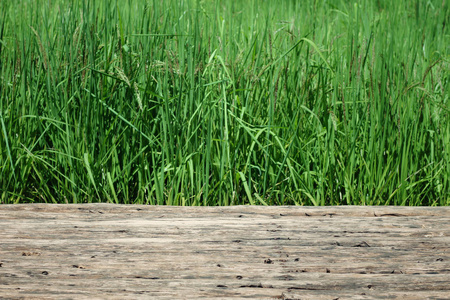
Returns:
(102, 251)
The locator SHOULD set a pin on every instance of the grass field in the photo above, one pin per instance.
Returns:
(225, 102)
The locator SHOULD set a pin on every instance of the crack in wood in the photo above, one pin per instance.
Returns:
(149, 278)
(259, 285)
(362, 244)
(304, 288)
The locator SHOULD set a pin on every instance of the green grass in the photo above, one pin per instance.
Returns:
(225, 102)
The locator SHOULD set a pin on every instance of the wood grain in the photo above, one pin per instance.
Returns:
(104, 251)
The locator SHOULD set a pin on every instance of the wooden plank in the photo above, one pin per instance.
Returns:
(98, 251)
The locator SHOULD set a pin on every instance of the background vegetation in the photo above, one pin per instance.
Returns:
(226, 102)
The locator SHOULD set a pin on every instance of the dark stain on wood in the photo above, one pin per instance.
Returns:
(157, 252)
